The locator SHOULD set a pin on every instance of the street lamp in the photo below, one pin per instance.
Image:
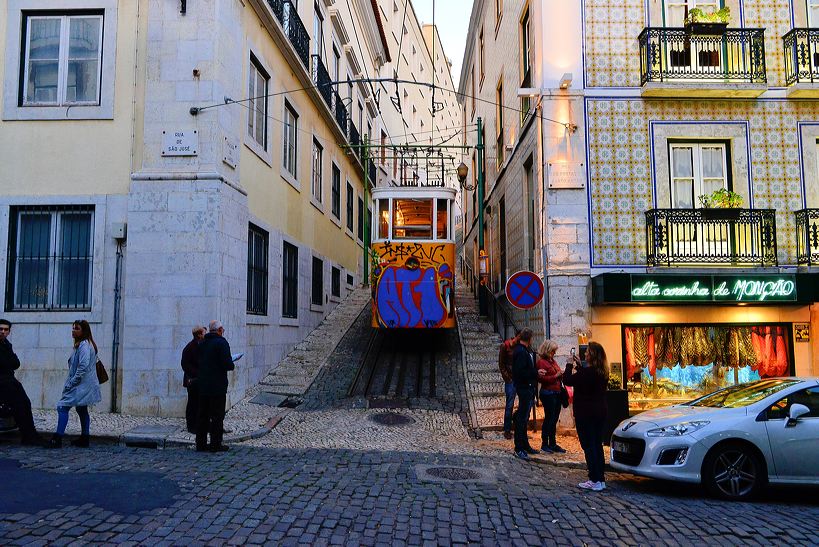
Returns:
(462, 171)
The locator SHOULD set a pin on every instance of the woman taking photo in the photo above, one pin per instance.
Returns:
(81, 387)
(549, 374)
(589, 382)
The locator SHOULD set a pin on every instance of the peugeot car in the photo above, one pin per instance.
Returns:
(733, 441)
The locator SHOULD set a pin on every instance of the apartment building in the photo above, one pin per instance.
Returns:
(678, 223)
(168, 163)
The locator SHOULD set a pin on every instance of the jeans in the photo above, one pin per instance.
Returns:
(62, 419)
(509, 388)
(590, 434)
(551, 412)
(211, 419)
(526, 398)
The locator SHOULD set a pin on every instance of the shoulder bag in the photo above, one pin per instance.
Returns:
(102, 374)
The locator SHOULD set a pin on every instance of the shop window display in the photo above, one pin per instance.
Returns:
(671, 364)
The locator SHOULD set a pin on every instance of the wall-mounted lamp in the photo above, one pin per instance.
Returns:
(462, 171)
(566, 80)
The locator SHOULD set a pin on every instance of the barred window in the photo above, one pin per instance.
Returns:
(50, 258)
(360, 219)
(336, 192)
(290, 280)
(317, 292)
(350, 200)
(256, 270)
(335, 282)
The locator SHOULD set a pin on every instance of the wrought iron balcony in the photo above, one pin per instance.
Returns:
(296, 33)
(807, 236)
(371, 171)
(340, 112)
(801, 56)
(354, 138)
(715, 55)
(720, 237)
(322, 80)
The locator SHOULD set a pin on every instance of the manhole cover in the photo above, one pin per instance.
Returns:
(391, 419)
(453, 473)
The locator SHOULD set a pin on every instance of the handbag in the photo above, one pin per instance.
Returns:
(564, 396)
(102, 374)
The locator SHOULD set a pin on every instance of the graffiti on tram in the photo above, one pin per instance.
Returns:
(413, 285)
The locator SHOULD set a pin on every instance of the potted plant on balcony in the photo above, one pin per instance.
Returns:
(714, 22)
(721, 204)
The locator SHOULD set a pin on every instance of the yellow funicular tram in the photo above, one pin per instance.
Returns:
(413, 257)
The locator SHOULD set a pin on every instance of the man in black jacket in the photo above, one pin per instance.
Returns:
(524, 375)
(214, 363)
(12, 392)
(190, 365)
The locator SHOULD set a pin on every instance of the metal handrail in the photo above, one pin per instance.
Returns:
(500, 318)
(801, 56)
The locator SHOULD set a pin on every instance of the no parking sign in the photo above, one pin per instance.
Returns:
(524, 290)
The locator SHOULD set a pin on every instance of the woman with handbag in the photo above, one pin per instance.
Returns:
(549, 375)
(590, 381)
(82, 386)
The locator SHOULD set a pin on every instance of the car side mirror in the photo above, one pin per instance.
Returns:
(796, 411)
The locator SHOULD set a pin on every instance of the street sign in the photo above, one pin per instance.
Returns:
(524, 290)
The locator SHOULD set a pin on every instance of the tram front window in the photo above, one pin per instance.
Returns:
(383, 219)
(441, 223)
(412, 218)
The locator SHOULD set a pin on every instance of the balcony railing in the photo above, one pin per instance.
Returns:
(340, 112)
(372, 171)
(322, 80)
(801, 56)
(723, 237)
(807, 236)
(678, 54)
(354, 138)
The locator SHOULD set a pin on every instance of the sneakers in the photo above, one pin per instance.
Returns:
(557, 448)
(593, 486)
(586, 485)
(522, 455)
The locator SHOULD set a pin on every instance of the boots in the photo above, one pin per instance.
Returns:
(81, 441)
(55, 442)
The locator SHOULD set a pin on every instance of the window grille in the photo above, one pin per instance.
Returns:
(317, 290)
(290, 280)
(256, 270)
(50, 254)
(335, 282)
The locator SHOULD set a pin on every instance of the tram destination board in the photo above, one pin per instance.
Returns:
(524, 290)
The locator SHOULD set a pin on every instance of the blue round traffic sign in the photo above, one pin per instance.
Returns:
(524, 290)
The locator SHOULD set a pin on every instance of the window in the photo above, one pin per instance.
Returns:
(257, 103)
(50, 258)
(317, 289)
(481, 59)
(316, 179)
(383, 219)
(291, 124)
(499, 123)
(350, 201)
(256, 270)
(442, 220)
(335, 205)
(813, 13)
(62, 60)
(412, 218)
(383, 148)
(360, 219)
(696, 169)
(780, 410)
(336, 63)
(350, 280)
(677, 10)
(525, 64)
(318, 30)
(290, 280)
(335, 282)
(474, 100)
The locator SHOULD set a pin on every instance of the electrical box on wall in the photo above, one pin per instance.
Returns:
(118, 230)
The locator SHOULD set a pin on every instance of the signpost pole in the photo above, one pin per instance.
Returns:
(483, 303)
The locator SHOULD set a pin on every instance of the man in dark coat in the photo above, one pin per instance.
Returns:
(12, 392)
(505, 355)
(190, 364)
(214, 363)
(524, 375)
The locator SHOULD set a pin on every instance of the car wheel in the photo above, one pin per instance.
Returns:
(733, 471)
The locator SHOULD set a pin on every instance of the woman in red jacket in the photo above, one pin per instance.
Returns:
(590, 409)
(549, 374)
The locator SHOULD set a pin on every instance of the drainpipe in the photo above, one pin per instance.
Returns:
(544, 230)
(115, 343)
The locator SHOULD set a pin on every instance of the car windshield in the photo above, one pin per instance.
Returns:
(743, 394)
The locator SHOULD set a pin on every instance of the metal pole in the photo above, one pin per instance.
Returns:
(364, 161)
(483, 308)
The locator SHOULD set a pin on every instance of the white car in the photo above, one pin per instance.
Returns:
(733, 441)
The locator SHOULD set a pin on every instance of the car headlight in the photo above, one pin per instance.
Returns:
(677, 430)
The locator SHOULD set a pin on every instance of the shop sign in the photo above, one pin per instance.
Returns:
(713, 288)
(801, 332)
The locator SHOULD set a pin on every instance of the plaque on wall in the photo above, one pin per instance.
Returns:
(230, 152)
(566, 174)
(801, 332)
(180, 143)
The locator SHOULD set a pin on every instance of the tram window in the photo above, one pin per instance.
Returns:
(412, 218)
(441, 223)
(383, 219)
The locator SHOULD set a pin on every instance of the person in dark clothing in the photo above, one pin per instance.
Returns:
(505, 354)
(190, 365)
(524, 375)
(12, 392)
(214, 363)
(590, 381)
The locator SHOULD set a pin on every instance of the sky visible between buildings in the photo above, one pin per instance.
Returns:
(452, 19)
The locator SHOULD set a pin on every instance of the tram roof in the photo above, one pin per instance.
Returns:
(417, 192)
